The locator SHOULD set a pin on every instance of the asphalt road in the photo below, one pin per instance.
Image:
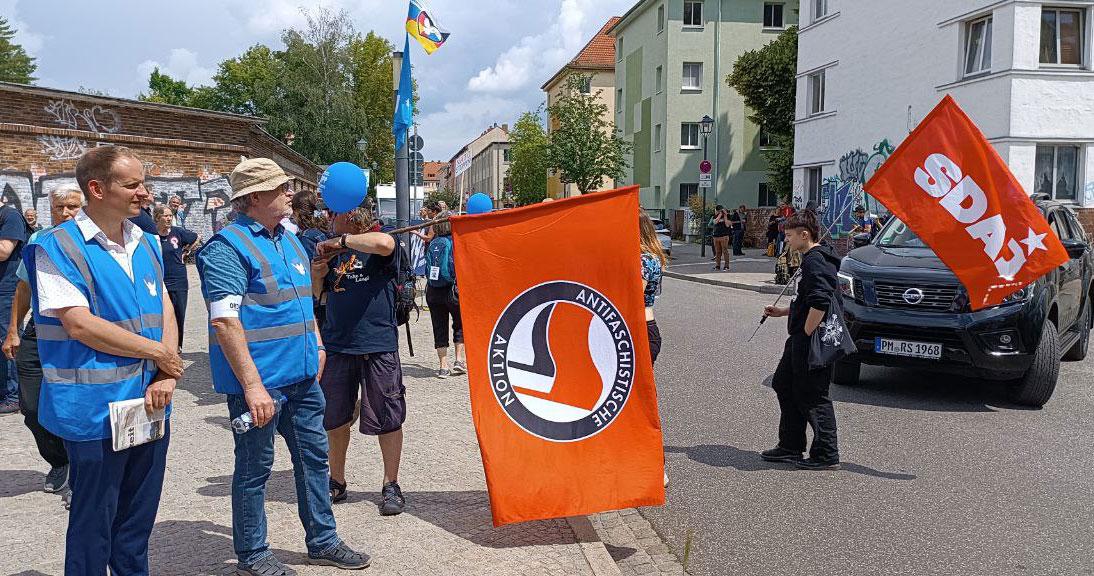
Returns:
(941, 475)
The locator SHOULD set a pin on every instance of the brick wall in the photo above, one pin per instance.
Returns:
(186, 152)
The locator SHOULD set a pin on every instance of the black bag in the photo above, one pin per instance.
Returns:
(831, 341)
(406, 289)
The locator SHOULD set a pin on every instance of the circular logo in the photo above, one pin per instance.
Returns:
(561, 361)
(913, 295)
(705, 167)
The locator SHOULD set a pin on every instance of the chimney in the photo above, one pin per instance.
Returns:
(505, 128)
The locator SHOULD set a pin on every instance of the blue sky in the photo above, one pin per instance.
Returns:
(490, 70)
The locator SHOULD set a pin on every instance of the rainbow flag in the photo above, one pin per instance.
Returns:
(421, 26)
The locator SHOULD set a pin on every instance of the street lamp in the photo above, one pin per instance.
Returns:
(706, 126)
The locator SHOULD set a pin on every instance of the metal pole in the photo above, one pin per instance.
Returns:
(703, 223)
(402, 191)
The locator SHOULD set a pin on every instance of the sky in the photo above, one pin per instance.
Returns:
(490, 70)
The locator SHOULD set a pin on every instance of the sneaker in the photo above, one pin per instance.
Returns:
(268, 566)
(666, 479)
(66, 498)
(56, 480)
(337, 491)
(459, 368)
(392, 499)
(443, 373)
(814, 464)
(340, 556)
(779, 454)
(9, 406)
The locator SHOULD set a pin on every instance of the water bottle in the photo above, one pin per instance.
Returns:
(245, 422)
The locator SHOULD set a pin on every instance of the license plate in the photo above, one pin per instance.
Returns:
(910, 349)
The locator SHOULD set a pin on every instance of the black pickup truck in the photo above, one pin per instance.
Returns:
(905, 308)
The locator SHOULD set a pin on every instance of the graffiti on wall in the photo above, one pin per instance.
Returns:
(65, 114)
(205, 205)
(841, 194)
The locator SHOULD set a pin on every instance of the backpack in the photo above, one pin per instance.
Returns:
(406, 290)
(439, 262)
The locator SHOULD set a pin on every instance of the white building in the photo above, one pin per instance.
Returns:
(870, 70)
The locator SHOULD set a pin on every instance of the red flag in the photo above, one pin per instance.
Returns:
(949, 185)
(558, 360)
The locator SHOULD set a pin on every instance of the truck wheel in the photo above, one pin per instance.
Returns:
(846, 373)
(1078, 350)
(1036, 387)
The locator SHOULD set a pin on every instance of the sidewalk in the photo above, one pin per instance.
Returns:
(754, 271)
(446, 529)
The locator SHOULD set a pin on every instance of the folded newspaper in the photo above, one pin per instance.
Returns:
(131, 425)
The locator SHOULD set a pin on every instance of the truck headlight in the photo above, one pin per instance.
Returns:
(846, 284)
(1020, 296)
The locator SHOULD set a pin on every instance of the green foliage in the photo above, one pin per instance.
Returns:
(530, 159)
(765, 78)
(15, 64)
(700, 213)
(585, 147)
(166, 90)
(449, 197)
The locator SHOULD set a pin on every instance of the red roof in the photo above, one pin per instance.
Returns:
(598, 54)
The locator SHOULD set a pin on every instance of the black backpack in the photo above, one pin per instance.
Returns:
(406, 289)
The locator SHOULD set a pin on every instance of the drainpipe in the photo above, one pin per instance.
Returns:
(717, 85)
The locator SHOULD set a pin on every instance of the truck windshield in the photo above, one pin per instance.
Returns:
(898, 235)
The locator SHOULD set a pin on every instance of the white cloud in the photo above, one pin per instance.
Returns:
(459, 122)
(30, 41)
(182, 64)
(535, 55)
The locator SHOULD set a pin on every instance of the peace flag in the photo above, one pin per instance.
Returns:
(949, 185)
(421, 26)
(562, 390)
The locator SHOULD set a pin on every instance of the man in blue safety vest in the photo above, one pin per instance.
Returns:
(266, 355)
(106, 333)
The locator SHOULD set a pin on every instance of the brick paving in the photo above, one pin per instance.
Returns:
(445, 530)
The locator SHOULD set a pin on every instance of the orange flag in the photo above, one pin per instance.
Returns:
(949, 185)
(562, 389)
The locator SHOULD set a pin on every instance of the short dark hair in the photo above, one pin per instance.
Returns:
(719, 207)
(804, 219)
(98, 164)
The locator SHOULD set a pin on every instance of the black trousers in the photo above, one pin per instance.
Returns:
(738, 242)
(803, 399)
(178, 302)
(654, 334)
(29, 370)
(440, 310)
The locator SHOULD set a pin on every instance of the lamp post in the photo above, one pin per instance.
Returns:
(706, 126)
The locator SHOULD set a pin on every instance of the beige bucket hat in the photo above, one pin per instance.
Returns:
(256, 175)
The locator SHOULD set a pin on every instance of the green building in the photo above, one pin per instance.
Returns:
(672, 59)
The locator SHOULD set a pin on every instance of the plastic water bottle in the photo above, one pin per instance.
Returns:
(244, 422)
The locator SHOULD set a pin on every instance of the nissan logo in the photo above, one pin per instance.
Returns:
(913, 295)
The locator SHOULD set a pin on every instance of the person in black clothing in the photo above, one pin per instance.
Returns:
(175, 243)
(803, 393)
(739, 220)
(721, 237)
(144, 219)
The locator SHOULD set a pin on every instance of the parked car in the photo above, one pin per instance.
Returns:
(905, 308)
(663, 234)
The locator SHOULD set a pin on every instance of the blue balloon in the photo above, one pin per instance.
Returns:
(479, 203)
(343, 186)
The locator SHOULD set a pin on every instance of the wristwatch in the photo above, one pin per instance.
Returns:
(342, 240)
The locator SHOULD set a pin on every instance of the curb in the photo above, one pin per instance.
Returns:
(725, 284)
(592, 547)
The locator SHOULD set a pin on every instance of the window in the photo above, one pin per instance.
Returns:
(657, 195)
(1061, 36)
(505, 154)
(693, 13)
(586, 85)
(820, 9)
(659, 78)
(693, 76)
(687, 191)
(619, 49)
(1057, 171)
(766, 141)
(816, 93)
(657, 138)
(660, 18)
(689, 135)
(978, 46)
(766, 196)
(773, 15)
(619, 101)
(813, 184)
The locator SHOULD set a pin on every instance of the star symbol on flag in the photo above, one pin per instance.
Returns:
(1035, 242)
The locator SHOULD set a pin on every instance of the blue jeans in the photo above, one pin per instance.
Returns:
(300, 421)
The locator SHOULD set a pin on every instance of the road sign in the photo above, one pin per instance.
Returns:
(417, 158)
(705, 167)
(463, 163)
(416, 143)
(704, 183)
(705, 177)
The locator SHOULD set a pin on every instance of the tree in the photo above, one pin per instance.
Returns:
(15, 64)
(370, 66)
(450, 198)
(166, 90)
(765, 78)
(530, 159)
(585, 147)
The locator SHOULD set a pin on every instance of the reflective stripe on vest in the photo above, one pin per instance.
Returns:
(92, 375)
(279, 332)
(268, 279)
(57, 333)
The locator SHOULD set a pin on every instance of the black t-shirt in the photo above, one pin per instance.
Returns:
(174, 269)
(735, 220)
(360, 314)
(145, 222)
(12, 227)
(720, 228)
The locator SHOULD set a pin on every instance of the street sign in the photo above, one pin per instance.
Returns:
(705, 177)
(705, 167)
(704, 183)
(416, 143)
(463, 162)
(417, 158)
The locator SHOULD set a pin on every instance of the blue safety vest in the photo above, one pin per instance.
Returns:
(276, 312)
(79, 382)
